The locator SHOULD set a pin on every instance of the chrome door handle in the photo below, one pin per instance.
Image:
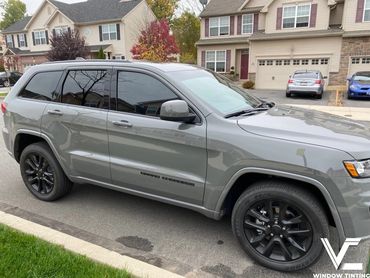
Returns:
(122, 124)
(55, 112)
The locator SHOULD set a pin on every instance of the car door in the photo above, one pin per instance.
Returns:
(163, 158)
(77, 123)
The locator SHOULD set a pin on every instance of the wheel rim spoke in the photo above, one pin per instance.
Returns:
(254, 225)
(257, 215)
(296, 220)
(287, 254)
(268, 248)
(296, 245)
(299, 232)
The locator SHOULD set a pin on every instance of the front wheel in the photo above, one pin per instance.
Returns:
(280, 226)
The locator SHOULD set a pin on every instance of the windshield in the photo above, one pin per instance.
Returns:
(216, 91)
(306, 75)
(362, 76)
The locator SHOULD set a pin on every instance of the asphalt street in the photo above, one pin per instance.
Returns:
(176, 239)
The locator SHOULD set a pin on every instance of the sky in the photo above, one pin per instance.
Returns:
(32, 5)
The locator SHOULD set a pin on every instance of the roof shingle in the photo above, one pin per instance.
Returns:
(96, 10)
(222, 7)
(18, 26)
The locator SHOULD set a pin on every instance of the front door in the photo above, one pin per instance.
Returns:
(148, 154)
(244, 67)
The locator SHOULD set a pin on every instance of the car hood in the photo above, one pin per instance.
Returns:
(361, 83)
(311, 127)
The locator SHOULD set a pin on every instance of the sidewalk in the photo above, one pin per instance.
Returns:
(353, 113)
(92, 251)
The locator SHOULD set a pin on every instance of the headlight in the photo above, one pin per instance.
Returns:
(353, 87)
(358, 169)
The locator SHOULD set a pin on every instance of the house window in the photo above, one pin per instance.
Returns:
(262, 62)
(296, 62)
(279, 62)
(355, 61)
(9, 41)
(219, 26)
(270, 62)
(248, 23)
(297, 16)
(305, 62)
(216, 60)
(60, 30)
(366, 60)
(22, 40)
(109, 32)
(324, 61)
(315, 61)
(367, 10)
(40, 37)
(286, 62)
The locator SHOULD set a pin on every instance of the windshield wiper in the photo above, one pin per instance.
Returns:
(246, 112)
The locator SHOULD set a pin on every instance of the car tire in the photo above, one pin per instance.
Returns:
(273, 240)
(6, 84)
(42, 173)
(288, 94)
(319, 96)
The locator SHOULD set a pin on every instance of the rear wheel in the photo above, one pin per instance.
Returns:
(6, 83)
(288, 94)
(42, 173)
(280, 226)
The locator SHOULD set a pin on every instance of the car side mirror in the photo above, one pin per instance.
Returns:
(349, 78)
(177, 111)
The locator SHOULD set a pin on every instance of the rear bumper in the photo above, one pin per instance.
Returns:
(304, 89)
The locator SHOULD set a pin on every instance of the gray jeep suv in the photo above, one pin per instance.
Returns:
(186, 136)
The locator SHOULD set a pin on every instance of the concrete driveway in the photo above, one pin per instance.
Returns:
(173, 238)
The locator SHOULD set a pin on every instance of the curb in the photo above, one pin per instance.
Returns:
(92, 251)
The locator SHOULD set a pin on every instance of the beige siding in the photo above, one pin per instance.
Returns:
(349, 17)
(134, 23)
(322, 19)
(233, 48)
(59, 20)
(40, 23)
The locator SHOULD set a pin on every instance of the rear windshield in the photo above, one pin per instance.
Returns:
(306, 75)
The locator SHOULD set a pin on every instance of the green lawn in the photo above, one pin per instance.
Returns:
(27, 256)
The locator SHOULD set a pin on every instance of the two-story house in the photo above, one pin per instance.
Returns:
(267, 40)
(113, 25)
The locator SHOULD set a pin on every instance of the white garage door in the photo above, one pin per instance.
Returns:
(359, 64)
(274, 73)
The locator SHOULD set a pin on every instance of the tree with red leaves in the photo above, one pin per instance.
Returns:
(155, 43)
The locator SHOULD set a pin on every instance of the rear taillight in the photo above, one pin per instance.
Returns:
(3, 107)
(291, 81)
(318, 82)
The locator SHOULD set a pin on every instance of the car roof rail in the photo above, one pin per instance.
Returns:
(79, 60)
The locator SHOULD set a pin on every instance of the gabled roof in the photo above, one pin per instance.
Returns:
(222, 7)
(96, 10)
(18, 26)
(89, 11)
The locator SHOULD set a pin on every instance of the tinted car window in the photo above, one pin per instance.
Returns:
(86, 88)
(42, 86)
(141, 94)
(306, 75)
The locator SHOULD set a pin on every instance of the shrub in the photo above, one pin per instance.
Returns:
(248, 84)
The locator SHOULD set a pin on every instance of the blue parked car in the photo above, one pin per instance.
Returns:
(359, 85)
